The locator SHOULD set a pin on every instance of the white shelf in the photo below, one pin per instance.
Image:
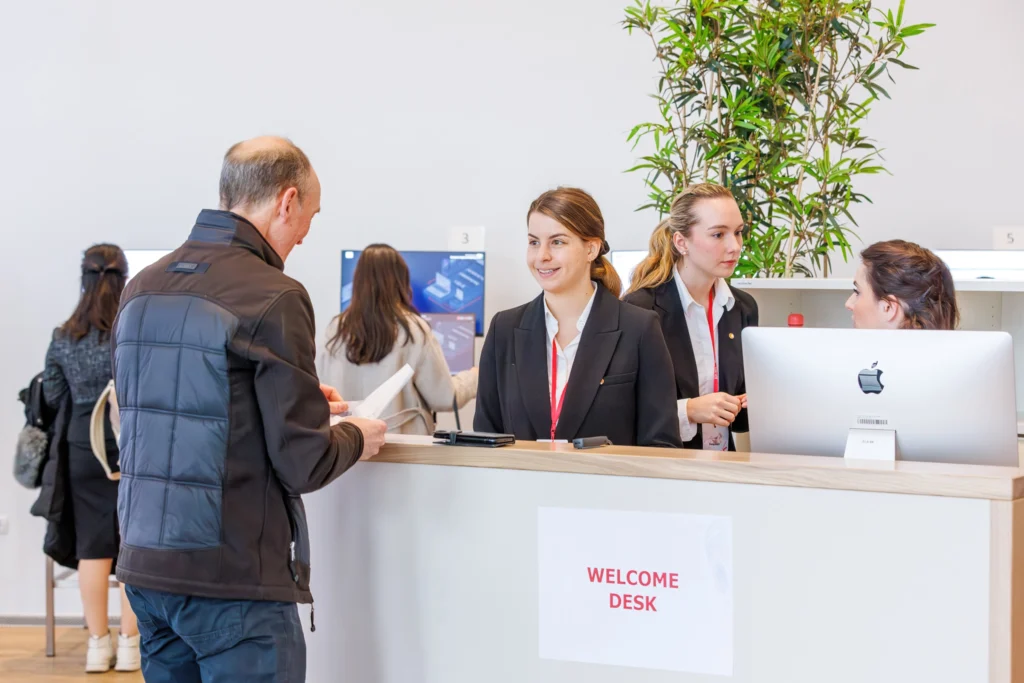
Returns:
(806, 283)
(846, 284)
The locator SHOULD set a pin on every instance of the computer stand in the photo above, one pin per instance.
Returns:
(871, 444)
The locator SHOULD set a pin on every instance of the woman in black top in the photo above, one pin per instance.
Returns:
(576, 361)
(78, 363)
(683, 280)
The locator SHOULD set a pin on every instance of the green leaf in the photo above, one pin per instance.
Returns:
(915, 30)
(903, 64)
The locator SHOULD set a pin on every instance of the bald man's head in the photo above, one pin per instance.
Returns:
(270, 182)
(258, 170)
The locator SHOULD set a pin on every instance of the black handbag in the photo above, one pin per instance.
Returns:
(33, 446)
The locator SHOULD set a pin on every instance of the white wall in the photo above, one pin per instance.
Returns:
(417, 116)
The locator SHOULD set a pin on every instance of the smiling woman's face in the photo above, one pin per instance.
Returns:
(558, 259)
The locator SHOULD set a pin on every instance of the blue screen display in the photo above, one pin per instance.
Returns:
(442, 281)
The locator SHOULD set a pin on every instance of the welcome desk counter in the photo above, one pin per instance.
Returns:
(537, 563)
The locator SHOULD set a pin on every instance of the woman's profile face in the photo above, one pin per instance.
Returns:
(870, 312)
(716, 239)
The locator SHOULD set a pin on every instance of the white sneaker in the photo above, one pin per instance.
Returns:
(128, 656)
(100, 656)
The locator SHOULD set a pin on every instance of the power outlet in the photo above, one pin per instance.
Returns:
(1008, 237)
(5, 525)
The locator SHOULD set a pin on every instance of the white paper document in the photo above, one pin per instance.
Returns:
(374, 405)
(410, 439)
(640, 589)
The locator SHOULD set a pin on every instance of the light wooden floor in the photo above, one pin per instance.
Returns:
(23, 657)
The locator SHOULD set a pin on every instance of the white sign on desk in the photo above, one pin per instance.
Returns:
(639, 589)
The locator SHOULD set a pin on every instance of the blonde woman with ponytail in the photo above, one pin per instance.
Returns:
(683, 280)
(576, 361)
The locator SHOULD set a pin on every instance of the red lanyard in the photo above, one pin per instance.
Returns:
(556, 408)
(711, 331)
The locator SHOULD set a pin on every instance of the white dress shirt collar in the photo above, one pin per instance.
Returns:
(723, 295)
(552, 323)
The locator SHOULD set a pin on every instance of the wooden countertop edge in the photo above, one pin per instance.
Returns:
(932, 479)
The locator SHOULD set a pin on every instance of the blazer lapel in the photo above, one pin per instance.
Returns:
(531, 367)
(730, 354)
(599, 338)
(677, 336)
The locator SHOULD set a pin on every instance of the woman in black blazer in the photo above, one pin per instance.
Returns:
(576, 357)
(683, 281)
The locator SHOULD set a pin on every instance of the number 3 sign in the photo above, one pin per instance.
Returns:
(466, 239)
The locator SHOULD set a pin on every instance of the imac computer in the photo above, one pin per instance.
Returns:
(946, 396)
(456, 333)
(442, 281)
(140, 258)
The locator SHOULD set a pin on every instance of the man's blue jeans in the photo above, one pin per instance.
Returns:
(203, 640)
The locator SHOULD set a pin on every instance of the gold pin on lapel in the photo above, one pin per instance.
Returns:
(602, 381)
(732, 336)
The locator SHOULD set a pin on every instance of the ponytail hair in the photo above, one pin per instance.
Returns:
(104, 274)
(917, 279)
(580, 214)
(656, 269)
(604, 272)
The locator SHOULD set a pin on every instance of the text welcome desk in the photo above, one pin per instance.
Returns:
(540, 564)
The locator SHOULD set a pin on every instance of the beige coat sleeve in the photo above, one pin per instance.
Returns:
(433, 379)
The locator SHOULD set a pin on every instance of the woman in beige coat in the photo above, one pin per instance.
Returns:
(380, 332)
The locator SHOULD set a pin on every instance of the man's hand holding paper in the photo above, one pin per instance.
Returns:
(337, 403)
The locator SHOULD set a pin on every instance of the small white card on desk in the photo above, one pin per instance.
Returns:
(871, 444)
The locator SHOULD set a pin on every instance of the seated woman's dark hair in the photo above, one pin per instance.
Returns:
(917, 280)
(381, 303)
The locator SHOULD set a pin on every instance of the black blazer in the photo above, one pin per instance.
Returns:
(664, 300)
(620, 385)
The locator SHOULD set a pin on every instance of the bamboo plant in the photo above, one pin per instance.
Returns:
(770, 98)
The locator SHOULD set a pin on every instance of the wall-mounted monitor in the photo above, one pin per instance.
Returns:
(442, 281)
(455, 332)
(140, 258)
(625, 262)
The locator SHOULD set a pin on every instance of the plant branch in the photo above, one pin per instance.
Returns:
(680, 143)
(812, 104)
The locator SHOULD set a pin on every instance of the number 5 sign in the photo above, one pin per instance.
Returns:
(466, 239)
(1008, 237)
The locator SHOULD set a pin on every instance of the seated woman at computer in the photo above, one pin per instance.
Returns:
(901, 285)
(576, 361)
(683, 280)
(379, 333)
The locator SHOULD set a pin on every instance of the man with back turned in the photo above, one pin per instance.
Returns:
(223, 426)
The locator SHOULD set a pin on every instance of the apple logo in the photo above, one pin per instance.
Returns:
(870, 380)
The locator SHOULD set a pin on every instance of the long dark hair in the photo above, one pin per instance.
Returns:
(104, 272)
(381, 303)
(580, 214)
(917, 279)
